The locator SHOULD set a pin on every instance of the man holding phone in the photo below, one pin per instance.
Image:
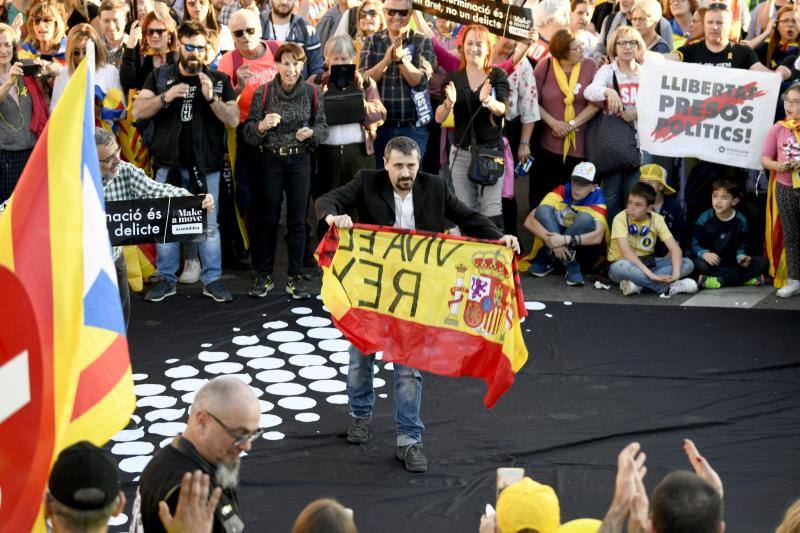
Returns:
(393, 59)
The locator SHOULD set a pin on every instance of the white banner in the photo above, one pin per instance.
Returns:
(715, 114)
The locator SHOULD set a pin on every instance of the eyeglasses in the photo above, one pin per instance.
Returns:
(578, 48)
(192, 47)
(240, 33)
(152, 32)
(788, 21)
(628, 44)
(372, 13)
(37, 20)
(110, 158)
(397, 12)
(238, 439)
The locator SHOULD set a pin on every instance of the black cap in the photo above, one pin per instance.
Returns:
(84, 477)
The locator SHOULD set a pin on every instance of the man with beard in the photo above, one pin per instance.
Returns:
(223, 422)
(189, 106)
(402, 197)
(124, 181)
(281, 24)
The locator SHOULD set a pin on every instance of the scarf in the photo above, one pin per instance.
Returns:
(39, 110)
(793, 125)
(568, 89)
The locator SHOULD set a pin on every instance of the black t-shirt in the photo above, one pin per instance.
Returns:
(732, 56)
(778, 55)
(487, 127)
(77, 18)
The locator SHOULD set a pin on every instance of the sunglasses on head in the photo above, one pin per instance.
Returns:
(240, 33)
(395, 12)
(192, 47)
(368, 13)
(156, 31)
(718, 6)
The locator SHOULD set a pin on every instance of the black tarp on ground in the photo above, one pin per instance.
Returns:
(598, 377)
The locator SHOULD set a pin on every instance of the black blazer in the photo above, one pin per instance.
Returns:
(370, 193)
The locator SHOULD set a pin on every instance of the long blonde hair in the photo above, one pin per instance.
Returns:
(791, 520)
(81, 32)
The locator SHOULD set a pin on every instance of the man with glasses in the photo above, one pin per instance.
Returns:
(280, 24)
(124, 181)
(393, 59)
(189, 116)
(223, 423)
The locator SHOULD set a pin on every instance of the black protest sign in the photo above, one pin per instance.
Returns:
(501, 19)
(180, 218)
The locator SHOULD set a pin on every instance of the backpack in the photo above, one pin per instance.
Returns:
(146, 127)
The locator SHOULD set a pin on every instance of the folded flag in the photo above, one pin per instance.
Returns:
(447, 305)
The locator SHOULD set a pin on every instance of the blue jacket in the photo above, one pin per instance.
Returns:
(302, 33)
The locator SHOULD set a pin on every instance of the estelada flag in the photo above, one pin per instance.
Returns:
(448, 305)
(53, 239)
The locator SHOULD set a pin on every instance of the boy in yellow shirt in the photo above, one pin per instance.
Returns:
(634, 234)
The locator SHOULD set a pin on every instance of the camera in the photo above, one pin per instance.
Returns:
(29, 68)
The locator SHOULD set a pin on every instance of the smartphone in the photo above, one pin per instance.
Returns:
(508, 476)
(29, 68)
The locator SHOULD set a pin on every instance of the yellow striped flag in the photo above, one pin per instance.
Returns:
(53, 238)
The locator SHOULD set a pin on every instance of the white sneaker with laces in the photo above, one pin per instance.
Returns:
(628, 287)
(191, 271)
(791, 288)
(683, 286)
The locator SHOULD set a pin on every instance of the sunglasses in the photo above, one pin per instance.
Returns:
(79, 52)
(718, 6)
(397, 12)
(194, 47)
(37, 20)
(152, 32)
(240, 33)
(368, 13)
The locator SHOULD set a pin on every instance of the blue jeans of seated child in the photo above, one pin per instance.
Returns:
(168, 254)
(623, 269)
(587, 256)
(407, 395)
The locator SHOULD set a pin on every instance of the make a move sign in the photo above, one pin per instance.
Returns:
(715, 114)
(179, 218)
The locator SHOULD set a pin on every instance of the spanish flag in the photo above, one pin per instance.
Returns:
(448, 305)
(53, 239)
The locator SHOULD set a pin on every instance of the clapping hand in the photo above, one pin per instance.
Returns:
(303, 134)
(207, 86)
(701, 466)
(486, 91)
(450, 92)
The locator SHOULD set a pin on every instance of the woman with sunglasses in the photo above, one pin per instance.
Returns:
(616, 85)
(201, 12)
(45, 41)
(155, 44)
(369, 21)
(18, 130)
(109, 102)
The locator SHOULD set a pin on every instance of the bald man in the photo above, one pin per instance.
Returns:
(223, 422)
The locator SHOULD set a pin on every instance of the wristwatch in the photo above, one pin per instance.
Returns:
(572, 123)
(214, 99)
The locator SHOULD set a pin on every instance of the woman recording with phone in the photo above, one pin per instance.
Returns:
(18, 130)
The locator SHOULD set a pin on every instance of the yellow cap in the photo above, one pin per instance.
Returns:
(528, 505)
(653, 172)
(580, 525)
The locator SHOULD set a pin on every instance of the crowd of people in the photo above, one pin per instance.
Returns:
(253, 101)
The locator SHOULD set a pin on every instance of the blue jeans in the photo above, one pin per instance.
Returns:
(169, 254)
(624, 269)
(387, 133)
(615, 189)
(407, 395)
(586, 256)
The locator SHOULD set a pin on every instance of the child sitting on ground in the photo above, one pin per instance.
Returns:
(718, 243)
(667, 205)
(570, 227)
(634, 234)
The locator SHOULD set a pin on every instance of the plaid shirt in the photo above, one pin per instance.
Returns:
(131, 183)
(395, 91)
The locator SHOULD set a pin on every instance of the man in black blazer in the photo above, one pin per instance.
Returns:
(399, 196)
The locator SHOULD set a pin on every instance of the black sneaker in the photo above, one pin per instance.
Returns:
(412, 457)
(312, 272)
(261, 285)
(358, 432)
(218, 292)
(163, 289)
(297, 288)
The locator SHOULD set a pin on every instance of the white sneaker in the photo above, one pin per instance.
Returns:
(683, 286)
(791, 288)
(191, 271)
(628, 287)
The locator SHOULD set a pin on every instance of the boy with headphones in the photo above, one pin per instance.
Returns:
(634, 234)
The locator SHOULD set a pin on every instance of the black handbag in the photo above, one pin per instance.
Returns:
(611, 142)
(488, 161)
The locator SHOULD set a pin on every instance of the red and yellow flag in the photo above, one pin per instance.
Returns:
(448, 305)
(773, 238)
(53, 239)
